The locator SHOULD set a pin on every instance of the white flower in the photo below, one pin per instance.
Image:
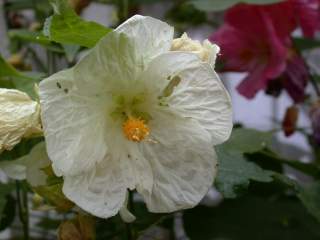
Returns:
(29, 167)
(19, 118)
(206, 51)
(134, 115)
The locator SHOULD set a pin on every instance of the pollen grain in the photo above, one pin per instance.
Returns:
(135, 129)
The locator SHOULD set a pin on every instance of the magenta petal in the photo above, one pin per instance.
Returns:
(235, 47)
(308, 13)
(295, 78)
(253, 83)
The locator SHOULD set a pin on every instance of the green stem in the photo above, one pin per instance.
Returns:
(37, 59)
(51, 62)
(23, 209)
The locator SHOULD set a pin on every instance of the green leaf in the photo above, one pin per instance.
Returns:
(310, 197)
(306, 43)
(234, 171)
(248, 140)
(316, 78)
(11, 78)
(8, 213)
(220, 5)
(66, 27)
(34, 37)
(29, 36)
(5, 214)
(252, 217)
(267, 156)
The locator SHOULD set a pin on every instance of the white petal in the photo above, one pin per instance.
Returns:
(183, 163)
(151, 36)
(213, 50)
(19, 117)
(74, 125)
(35, 161)
(100, 191)
(119, 58)
(14, 169)
(125, 214)
(109, 66)
(200, 94)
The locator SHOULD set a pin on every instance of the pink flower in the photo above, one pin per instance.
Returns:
(308, 15)
(256, 39)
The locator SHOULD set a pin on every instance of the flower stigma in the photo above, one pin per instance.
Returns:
(135, 129)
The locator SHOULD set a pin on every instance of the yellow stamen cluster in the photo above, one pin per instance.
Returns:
(135, 129)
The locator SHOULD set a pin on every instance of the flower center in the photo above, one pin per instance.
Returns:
(135, 129)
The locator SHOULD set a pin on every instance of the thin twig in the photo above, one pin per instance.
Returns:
(23, 209)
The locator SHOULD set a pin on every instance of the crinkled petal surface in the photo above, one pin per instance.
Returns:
(176, 166)
(19, 117)
(151, 36)
(200, 95)
(100, 191)
(119, 58)
(183, 163)
(74, 125)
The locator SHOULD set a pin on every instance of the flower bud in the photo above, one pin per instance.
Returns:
(19, 118)
(290, 121)
(206, 51)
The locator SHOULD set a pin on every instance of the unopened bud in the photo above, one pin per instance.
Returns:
(290, 120)
(19, 118)
(206, 51)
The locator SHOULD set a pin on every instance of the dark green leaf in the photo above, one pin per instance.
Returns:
(248, 140)
(21, 149)
(6, 215)
(34, 37)
(66, 27)
(234, 171)
(267, 156)
(306, 43)
(310, 197)
(251, 217)
(29, 36)
(220, 5)
(316, 78)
